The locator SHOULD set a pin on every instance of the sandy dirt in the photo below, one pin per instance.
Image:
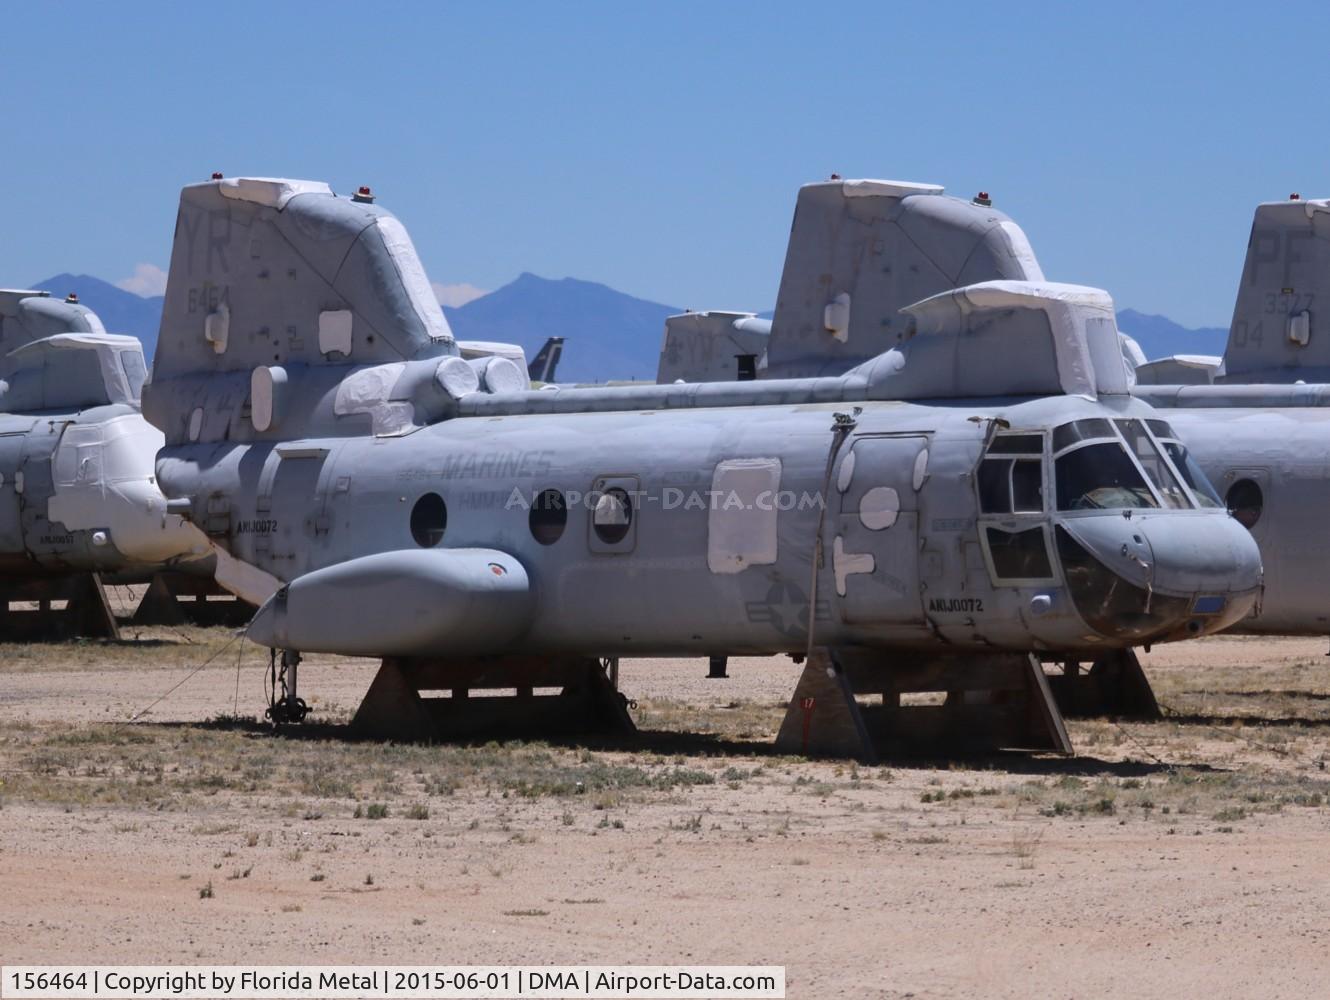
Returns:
(1180, 858)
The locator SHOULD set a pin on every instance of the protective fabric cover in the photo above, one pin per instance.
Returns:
(1180, 369)
(369, 390)
(875, 247)
(72, 371)
(1006, 338)
(103, 478)
(1280, 330)
(706, 346)
(471, 349)
(26, 316)
(274, 192)
(741, 524)
(275, 254)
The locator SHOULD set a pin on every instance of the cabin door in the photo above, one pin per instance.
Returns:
(872, 545)
(11, 459)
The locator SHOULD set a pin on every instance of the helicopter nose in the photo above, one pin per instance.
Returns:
(1152, 578)
(1208, 553)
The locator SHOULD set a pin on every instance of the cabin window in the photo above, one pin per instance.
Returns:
(613, 516)
(549, 516)
(1246, 502)
(429, 520)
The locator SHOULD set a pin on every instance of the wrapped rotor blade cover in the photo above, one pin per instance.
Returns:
(411, 602)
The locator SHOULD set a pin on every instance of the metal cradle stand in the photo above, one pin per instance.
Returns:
(183, 598)
(86, 612)
(420, 699)
(993, 702)
(1114, 685)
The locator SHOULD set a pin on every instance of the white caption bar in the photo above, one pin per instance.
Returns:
(409, 982)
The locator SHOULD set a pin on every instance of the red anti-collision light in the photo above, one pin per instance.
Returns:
(216, 175)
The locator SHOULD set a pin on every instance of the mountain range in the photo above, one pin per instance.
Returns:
(608, 334)
(120, 311)
(1159, 336)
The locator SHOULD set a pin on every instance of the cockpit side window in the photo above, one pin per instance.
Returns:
(1011, 476)
(1011, 481)
(1017, 444)
(1157, 468)
(995, 486)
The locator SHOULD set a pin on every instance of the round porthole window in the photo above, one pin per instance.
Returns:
(549, 516)
(429, 520)
(613, 516)
(1245, 502)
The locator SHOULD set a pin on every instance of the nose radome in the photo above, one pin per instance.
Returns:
(1152, 577)
(1203, 553)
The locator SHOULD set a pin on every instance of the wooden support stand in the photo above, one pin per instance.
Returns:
(86, 612)
(183, 598)
(1114, 685)
(994, 701)
(416, 700)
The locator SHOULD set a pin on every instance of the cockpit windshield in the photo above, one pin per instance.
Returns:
(1126, 462)
(1156, 467)
(1101, 475)
(1202, 489)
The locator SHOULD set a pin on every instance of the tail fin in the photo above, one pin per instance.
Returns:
(862, 250)
(272, 280)
(26, 316)
(713, 347)
(1281, 319)
(543, 365)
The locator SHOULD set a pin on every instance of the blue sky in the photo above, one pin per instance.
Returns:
(658, 149)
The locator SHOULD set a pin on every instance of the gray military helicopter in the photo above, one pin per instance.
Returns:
(1258, 420)
(926, 521)
(78, 495)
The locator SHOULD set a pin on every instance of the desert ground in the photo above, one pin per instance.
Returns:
(1185, 857)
